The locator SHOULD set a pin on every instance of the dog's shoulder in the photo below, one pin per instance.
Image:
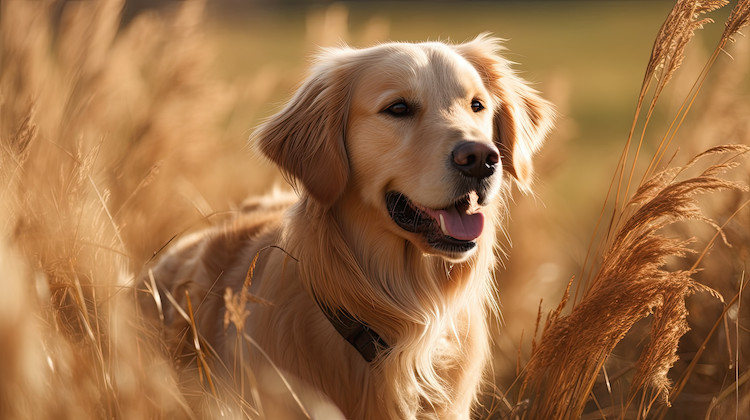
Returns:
(200, 266)
(208, 253)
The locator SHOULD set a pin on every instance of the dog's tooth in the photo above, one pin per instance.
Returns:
(442, 225)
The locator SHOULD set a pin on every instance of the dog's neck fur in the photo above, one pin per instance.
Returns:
(412, 300)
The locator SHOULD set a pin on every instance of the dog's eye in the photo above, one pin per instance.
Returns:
(476, 106)
(399, 109)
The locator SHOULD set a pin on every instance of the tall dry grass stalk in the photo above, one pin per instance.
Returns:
(632, 283)
(635, 278)
(107, 136)
(737, 20)
(666, 57)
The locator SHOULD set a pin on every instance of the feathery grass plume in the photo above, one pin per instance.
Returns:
(678, 29)
(667, 55)
(738, 19)
(632, 283)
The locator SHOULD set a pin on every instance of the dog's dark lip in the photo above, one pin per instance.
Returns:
(414, 218)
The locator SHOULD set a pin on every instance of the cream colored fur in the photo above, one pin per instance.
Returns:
(338, 243)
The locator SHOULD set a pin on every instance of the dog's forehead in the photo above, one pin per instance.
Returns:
(405, 66)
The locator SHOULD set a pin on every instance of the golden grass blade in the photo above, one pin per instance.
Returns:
(730, 389)
(278, 371)
(103, 202)
(682, 381)
(716, 235)
(202, 362)
(154, 291)
(737, 352)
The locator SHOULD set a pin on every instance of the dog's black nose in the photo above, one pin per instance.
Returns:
(475, 159)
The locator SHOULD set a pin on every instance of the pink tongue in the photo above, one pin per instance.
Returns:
(459, 225)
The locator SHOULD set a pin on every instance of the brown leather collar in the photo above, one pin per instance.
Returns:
(366, 341)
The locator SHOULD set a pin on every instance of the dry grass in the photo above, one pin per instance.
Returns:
(115, 139)
(632, 283)
(103, 131)
(637, 275)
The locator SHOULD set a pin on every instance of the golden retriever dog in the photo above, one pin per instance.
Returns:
(372, 290)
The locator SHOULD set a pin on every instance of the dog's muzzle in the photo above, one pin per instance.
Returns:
(453, 229)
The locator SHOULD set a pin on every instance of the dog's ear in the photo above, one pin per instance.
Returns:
(522, 118)
(306, 138)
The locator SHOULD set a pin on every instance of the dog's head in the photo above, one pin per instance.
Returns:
(420, 133)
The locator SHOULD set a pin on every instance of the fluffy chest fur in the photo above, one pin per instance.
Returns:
(434, 314)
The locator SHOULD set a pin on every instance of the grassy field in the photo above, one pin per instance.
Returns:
(116, 138)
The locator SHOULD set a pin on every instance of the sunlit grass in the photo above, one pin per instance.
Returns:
(115, 140)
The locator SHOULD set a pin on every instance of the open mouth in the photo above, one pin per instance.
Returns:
(453, 229)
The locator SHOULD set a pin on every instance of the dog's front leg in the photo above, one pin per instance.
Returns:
(467, 371)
